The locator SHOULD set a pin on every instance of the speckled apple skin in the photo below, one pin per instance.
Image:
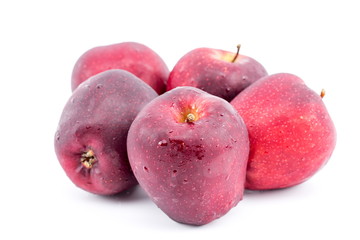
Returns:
(291, 133)
(134, 57)
(98, 116)
(202, 68)
(194, 172)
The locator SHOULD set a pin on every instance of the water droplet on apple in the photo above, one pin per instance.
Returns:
(201, 139)
(171, 131)
(172, 185)
(228, 89)
(162, 143)
(185, 181)
(99, 86)
(174, 172)
(146, 169)
(221, 114)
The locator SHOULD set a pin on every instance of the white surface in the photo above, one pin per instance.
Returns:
(40, 42)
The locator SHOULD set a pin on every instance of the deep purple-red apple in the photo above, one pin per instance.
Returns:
(90, 141)
(188, 150)
(221, 73)
(291, 133)
(130, 56)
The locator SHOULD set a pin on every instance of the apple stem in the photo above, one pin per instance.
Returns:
(237, 53)
(88, 159)
(322, 93)
(190, 117)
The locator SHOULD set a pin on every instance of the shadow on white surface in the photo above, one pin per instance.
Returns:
(133, 195)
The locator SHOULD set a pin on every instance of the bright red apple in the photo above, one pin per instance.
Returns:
(291, 133)
(221, 73)
(130, 56)
(188, 150)
(90, 141)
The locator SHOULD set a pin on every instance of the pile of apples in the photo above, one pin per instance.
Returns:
(193, 138)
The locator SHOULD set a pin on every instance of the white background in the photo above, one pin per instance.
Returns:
(39, 44)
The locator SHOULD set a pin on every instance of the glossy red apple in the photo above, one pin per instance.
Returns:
(188, 150)
(221, 73)
(130, 56)
(90, 141)
(291, 133)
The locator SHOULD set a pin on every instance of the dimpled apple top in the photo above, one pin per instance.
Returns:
(188, 150)
(130, 56)
(90, 141)
(213, 71)
(291, 133)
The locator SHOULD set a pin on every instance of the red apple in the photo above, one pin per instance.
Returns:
(130, 56)
(188, 150)
(291, 133)
(90, 141)
(221, 73)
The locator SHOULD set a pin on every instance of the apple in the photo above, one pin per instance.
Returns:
(221, 73)
(291, 133)
(130, 56)
(90, 141)
(188, 150)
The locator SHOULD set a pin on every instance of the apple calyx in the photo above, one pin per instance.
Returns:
(322, 93)
(237, 53)
(88, 159)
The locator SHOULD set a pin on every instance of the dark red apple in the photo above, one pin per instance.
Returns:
(90, 141)
(221, 73)
(131, 56)
(291, 133)
(188, 150)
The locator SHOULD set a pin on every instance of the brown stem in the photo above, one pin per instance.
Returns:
(190, 117)
(322, 93)
(237, 53)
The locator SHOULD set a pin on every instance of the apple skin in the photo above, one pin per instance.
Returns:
(130, 56)
(291, 133)
(213, 71)
(94, 126)
(193, 171)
